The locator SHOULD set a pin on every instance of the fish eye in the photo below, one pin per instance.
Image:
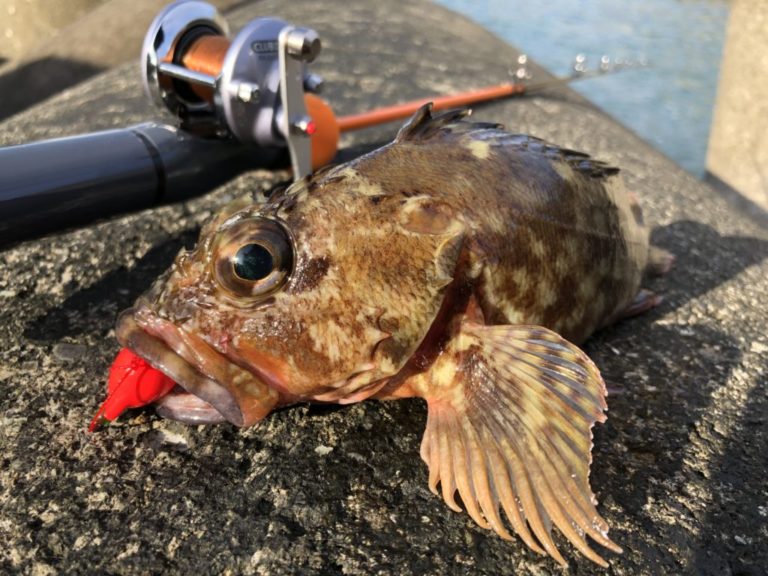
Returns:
(253, 258)
(253, 262)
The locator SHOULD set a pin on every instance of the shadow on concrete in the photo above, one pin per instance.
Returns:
(753, 211)
(33, 82)
(664, 379)
(734, 538)
(704, 259)
(657, 401)
(86, 310)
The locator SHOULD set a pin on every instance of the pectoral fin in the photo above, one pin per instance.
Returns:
(509, 424)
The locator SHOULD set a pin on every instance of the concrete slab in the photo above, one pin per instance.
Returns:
(67, 42)
(737, 154)
(23, 23)
(679, 468)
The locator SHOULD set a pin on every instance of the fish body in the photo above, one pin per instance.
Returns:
(460, 264)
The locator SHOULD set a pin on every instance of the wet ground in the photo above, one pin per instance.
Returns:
(679, 468)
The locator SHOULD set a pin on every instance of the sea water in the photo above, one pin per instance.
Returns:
(669, 103)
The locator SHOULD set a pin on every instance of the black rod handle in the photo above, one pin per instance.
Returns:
(56, 184)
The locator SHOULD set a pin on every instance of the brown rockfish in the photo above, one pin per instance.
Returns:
(460, 264)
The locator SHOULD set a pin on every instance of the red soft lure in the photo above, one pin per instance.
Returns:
(132, 383)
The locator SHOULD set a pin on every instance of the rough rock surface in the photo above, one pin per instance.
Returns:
(48, 60)
(679, 468)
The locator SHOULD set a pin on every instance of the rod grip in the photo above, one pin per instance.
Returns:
(62, 183)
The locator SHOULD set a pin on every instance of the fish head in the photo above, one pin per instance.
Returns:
(320, 292)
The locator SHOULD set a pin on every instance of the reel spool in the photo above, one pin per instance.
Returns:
(254, 88)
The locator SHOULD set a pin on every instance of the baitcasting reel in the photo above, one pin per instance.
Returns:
(251, 88)
(240, 104)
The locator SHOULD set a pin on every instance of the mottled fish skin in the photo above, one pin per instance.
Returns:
(458, 264)
(553, 231)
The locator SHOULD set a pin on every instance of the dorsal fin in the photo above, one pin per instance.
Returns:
(424, 126)
(578, 161)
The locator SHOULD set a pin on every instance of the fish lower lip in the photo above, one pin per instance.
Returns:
(131, 335)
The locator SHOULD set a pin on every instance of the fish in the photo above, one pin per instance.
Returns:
(460, 264)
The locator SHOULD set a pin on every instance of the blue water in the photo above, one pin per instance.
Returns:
(668, 104)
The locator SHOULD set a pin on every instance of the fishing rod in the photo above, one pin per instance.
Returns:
(479, 96)
(239, 104)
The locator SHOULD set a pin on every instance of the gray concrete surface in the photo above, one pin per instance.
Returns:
(23, 23)
(738, 143)
(64, 43)
(679, 467)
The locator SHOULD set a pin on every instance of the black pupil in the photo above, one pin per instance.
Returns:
(253, 262)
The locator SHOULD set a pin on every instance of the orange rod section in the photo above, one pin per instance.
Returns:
(206, 55)
(400, 111)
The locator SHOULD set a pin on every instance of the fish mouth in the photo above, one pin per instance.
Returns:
(237, 395)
